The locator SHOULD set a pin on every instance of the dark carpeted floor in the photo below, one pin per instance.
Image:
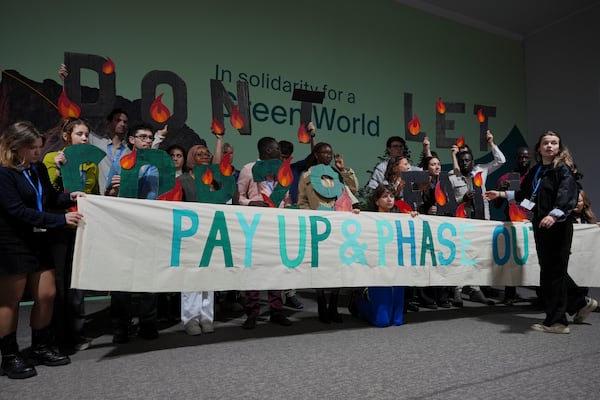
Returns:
(477, 352)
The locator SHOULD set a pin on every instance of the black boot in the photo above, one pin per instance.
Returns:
(42, 351)
(322, 308)
(13, 363)
(333, 307)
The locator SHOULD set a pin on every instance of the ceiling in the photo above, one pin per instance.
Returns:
(516, 19)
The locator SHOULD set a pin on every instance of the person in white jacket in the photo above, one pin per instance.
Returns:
(461, 179)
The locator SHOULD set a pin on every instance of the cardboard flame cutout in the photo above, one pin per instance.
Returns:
(440, 196)
(128, 160)
(414, 126)
(268, 200)
(216, 127)
(478, 179)
(480, 116)
(460, 142)
(285, 177)
(236, 119)
(175, 194)
(303, 135)
(158, 111)
(440, 106)
(108, 67)
(403, 206)
(66, 107)
(515, 213)
(207, 177)
(225, 165)
(460, 211)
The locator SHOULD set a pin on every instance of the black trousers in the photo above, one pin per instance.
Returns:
(123, 305)
(69, 311)
(560, 294)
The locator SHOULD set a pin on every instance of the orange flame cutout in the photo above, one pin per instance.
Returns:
(303, 135)
(225, 164)
(175, 194)
(108, 67)
(515, 213)
(66, 107)
(460, 211)
(158, 111)
(217, 127)
(403, 206)
(460, 142)
(480, 116)
(268, 200)
(440, 196)
(440, 106)
(207, 177)
(285, 177)
(478, 179)
(128, 161)
(414, 126)
(236, 119)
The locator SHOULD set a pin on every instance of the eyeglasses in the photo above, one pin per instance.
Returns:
(145, 138)
(203, 154)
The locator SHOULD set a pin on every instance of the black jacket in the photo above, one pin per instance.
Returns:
(557, 190)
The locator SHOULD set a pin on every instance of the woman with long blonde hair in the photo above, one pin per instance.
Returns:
(25, 228)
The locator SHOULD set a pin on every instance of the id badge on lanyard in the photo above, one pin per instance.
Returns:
(38, 194)
(529, 204)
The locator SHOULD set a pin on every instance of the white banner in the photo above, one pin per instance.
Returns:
(154, 246)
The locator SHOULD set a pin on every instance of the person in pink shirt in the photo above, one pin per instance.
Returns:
(251, 194)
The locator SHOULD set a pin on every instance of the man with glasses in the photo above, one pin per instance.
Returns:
(140, 137)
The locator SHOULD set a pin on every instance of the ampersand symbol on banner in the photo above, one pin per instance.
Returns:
(351, 244)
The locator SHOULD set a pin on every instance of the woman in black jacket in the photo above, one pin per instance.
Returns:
(25, 261)
(550, 191)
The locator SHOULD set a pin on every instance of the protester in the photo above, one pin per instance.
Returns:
(69, 310)
(463, 184)
(251, 194)
(382, 305)
(323, 187)
(393, 174)
(523, 162)
(286, 150)
(178, 155)
(550, 191)
(432, 296)
(582, 213)
(434, 167)
(25, 227)
(198, 307)
(140, 137)
(113, 143)
(395, 147)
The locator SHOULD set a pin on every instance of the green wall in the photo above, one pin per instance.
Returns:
(375, 50)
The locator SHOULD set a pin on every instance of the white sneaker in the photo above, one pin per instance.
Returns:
(192, 327)
(584, 312)
(207, 327)
(555, 328)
